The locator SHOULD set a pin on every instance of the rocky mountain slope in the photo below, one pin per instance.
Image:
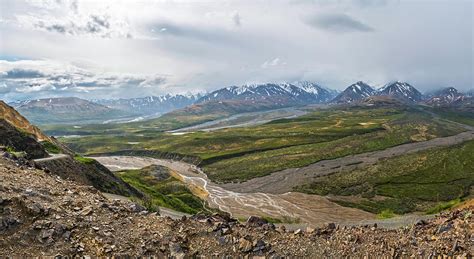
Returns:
(151, 104)
(17, 135)
(16, 141)
(445, 97)
(284, 94)
(401, 90)
(359, 91)
(66, 110)
(43, 214)
(354, 93)
(13, 117)
(463, 104)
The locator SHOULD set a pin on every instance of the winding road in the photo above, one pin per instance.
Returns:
(52, 157)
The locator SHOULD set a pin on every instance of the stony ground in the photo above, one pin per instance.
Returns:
(41, 214)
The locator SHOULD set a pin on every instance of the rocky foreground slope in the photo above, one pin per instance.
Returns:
(42, 214)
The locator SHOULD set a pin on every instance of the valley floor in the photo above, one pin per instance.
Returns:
(312, 210)
(292, 209)
(301, 169)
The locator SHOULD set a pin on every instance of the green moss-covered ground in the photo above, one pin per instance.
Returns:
(163, 190)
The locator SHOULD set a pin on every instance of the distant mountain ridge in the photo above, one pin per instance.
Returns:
(65, 110)
(401, 91)
(282, 94)
(259, 96)
(151, 104)
(445, 97)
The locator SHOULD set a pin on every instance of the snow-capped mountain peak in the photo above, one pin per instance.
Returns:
(401, 90)
(151, 104)
(445, 96)
(354, 92)
(296, 93)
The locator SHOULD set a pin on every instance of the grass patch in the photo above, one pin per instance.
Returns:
(443, 206)
(84, 160)
(10, 149)
(386, 214)
(50, 147)
(162, 189)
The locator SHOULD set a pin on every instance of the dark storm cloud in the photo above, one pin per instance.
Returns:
(21, 73)
(338, 23)
(97, 24)
(55, 28)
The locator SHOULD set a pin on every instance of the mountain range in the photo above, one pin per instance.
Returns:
(151, 104)
(283, 94)
(359, 91)
(250, 97)
(66, 110)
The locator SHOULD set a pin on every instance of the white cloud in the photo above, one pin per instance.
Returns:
(206, 45)
(272, 63)
(51, 78)
(94, 24)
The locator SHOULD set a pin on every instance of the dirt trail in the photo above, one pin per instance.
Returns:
(52, 157)
(307, 209)
(284, 181)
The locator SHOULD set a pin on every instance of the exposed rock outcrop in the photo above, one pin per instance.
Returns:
(20, 141)
(91, 173)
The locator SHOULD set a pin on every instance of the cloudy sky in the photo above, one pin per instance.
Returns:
(117, 48)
